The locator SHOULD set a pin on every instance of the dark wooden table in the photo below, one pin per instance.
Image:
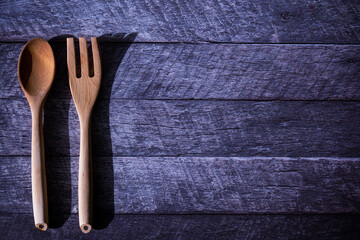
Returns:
(216, 119)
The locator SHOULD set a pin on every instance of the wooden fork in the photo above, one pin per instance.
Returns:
(84, 91)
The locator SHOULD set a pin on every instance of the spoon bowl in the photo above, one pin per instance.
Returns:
(36, 70)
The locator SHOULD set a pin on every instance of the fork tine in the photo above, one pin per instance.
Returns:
(71, 60)
(84, 58)
(96, 58)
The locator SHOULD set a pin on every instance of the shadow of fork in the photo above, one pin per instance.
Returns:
(113, 48)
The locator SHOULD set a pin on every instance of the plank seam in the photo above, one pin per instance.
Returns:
(206, 99)
(240, 158)
(200, 43)
(207, 214)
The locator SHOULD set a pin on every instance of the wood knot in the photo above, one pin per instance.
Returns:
(351, 60)
(286, 16)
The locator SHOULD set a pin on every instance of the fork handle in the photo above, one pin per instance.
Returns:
(38, 175)
(85, 176)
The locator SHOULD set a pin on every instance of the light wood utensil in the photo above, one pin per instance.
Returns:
(36, 70)
(84, 91)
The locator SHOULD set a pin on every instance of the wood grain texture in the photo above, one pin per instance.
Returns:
(196, 227)
(210, 71)
(189, 185)
(190, 128)
(186, 121)
(183, 21)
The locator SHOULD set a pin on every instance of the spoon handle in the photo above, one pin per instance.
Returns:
(38, 175)
(85, 176)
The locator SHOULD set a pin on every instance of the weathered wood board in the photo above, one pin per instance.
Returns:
(209, 71)
(190, 128)
(257, 21)
(170, 185)
(194, 227)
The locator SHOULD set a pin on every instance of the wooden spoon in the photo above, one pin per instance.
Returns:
(36, 70)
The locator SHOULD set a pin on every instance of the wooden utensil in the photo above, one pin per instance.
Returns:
(84, 91)
(36, 70)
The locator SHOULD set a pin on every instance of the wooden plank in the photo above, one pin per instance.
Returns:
(19, 226)
(190, 128)
(174, 21)
(188, 185)
(209, 71)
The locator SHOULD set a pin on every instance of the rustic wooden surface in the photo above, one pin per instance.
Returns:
(207, 111)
